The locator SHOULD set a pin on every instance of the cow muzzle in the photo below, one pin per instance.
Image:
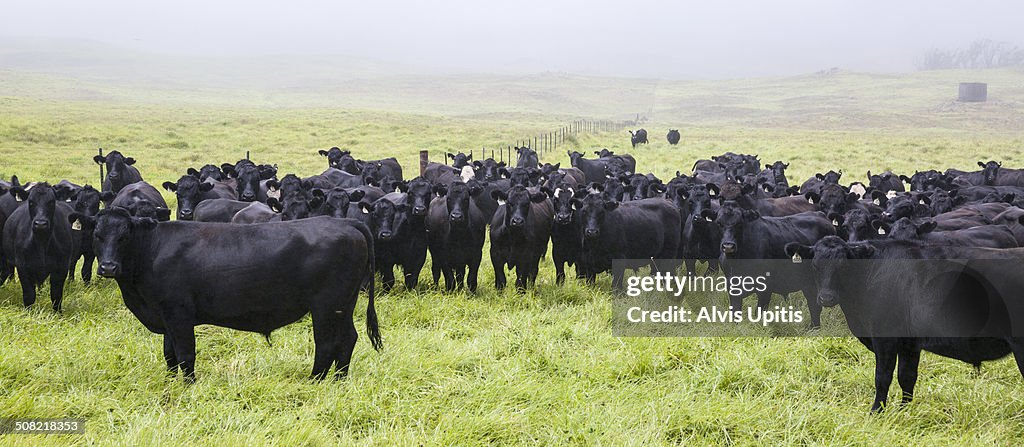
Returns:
(185, 214)
(419, 210)
(40, 224)
(827, 299)
(385, 235)
(456, 217)
(517, 222)
(728, 247)
(108, 269)
(592, 233)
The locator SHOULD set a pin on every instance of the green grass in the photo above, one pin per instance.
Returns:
(540, 367)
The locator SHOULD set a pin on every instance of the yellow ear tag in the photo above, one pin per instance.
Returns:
(77, 226)
(835, 223)
(881, 230)
(797, 259)
(876, 202)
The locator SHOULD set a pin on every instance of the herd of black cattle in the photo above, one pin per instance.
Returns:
(261, 251)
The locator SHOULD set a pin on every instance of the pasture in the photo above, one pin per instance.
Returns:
(540, 367)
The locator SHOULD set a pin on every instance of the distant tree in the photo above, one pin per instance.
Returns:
(984, 53)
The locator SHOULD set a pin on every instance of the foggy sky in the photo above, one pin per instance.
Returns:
(673, 39)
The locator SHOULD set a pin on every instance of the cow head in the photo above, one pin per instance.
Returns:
(42, 203)
(336, 201)
(732, 219)
(335, 156)
(420, 192)
(989, 171)
(906, 205)
(830, 176)
(561, 198)
(145, 208)
(699, 202)
(524, 177)
(574, 157)
(299, 205)
(829, 257)
(905, 229)
(593, 210)
(117, 168)
(855, 225)
(113, 231)
(207, 173)
(458, 197)
(460, 159)
(386, 218)
(189, 191)
(488, 170)
(517, 204)
(603, 153)
(247, 177)
(834, 201)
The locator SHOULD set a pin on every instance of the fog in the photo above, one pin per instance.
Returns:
(682, 39)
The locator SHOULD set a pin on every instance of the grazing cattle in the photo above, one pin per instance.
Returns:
(565, 233)
(120, 171)
(218, 210)
(527, 158)
(85, 202)
(191, 191)
(926, 180)
(401, 238)
(136, 192)
(877, 299)
(455, 235)
(885, 182)
(747, 235)
(339, 159)
(636, 232)
(638, 137)
(38, 242)
(597, 170)
(313, 266)
(673, 137)
(991, 236)
(519, 234)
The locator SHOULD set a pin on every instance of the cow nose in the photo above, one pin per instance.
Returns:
(419, 210)
(113, 174)
(456, 217)
(107, 269)
(591, 232)
(40, 224)
(384, 235)
(728, 247)
(517, 221)
(185, 212)
(826, 299)
(248, 197)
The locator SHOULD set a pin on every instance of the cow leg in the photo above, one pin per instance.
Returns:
(885, 362)
(474, 270)
(326, 332)
(57, 288)
(387, 276)
(617, 276)
(449, 278)
(435, 270)
(87, 268)
(764, 299)
(411, 270)
(183, 337)
(169, 357)
(346, 331)
(1017, 346)
(499, 268)
(908, 360)
(813, 307)
(691, 267)
(28, 288)
(713, 267)
(559, 271)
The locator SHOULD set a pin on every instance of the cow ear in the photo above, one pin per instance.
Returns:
(869, 174)
(146, 223)
(707, 214)
(713, 189)
(926, 227)
(904, 178)
(99, 159)
(852, 197)
(316, 200)
(192, 172)
(498, 194)
(163, 214)
(860, 251)
(538, 197)
(751, 215)
(440, 190)
(129, 161)
(228, 169)
(797, 250)
(322, 152)
(274, 204)
(767, 166)
(205, 187)
(107, 196)
(366, 208)
(170, 186)
(819, 176)
(478, 164)
(610, 205)
(746, 189)
(880, 226)
(451, 155)
(475, 190)
(504, 173)
(267, 174)
(317, 193)
(356, 195)
(307, 185)
(981, 164)
(547, 191)
(273, 184)
(19, 193)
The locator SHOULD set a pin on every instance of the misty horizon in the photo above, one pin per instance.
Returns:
(731, 39)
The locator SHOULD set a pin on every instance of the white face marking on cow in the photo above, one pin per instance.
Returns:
(275, 193)
(77, 226)
(467, 174)
(557, 192)
(890, 194)
(858, 189)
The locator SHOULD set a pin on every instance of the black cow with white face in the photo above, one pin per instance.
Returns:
(520, 230)
(39, 242)
(120, 171)
(565, 231)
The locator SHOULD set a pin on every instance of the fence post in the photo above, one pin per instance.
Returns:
(101, 170)
(424, 159)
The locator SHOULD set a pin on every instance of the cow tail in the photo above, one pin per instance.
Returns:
(372, 327)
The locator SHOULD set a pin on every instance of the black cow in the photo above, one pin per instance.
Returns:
(338, 201)
(701, 239)
(313, 266)
(460, 159)
(85, 202)
(836, 200)
(747, 235)
(65, 190)
(815, 183)
(385, 168)
(990, 236)
(339, 159)
(926, 180)
(884, 297)
(639, 137)
(993, 174)
(597, 170)
(565, 233)
(134, 193)
(191, 191)
(673, 137)
(208, 173)
(856, 225)
(120, 171)
(254, 213)
(885, 182)
(455, 235)
(636, 232)
(250, 182)
(1012, 218)
(519, 234)
(639, 186)
(438, 173)
(218, 210)
(489, 170)
(527, 158)
(401, 238)
(38, 241)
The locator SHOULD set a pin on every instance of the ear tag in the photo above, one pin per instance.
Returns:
(707, 219)
(890, 194)
(881, 230)
(810, 200)
(18, 198)
(797, 259)
(501, 202)
(77, 226)
(365, 211)
(920, 202)
(835, 223)
(877, 202)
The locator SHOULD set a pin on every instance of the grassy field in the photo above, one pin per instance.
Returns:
(494, 368)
